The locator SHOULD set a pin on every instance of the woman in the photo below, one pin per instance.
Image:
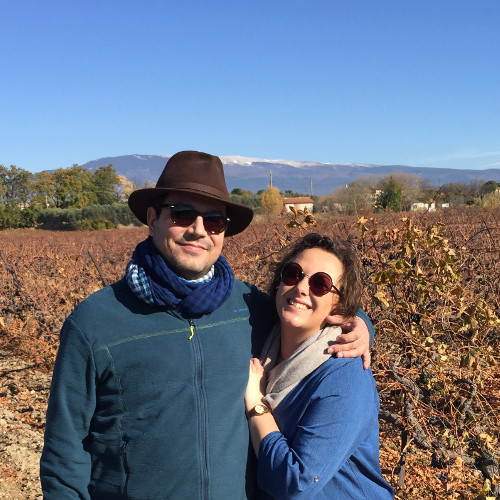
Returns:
(313, 419)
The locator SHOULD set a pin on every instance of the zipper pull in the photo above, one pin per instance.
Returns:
(191, 328)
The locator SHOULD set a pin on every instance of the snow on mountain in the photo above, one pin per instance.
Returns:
(242, 160)
(148, 157)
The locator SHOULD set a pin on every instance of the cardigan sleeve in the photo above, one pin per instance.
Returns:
(65, 465)
(331, 428)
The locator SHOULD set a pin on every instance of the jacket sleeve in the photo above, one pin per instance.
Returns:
(331, 429)
(371, 329)
(65, 465)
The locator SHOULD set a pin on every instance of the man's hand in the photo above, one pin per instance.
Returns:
(354, 341)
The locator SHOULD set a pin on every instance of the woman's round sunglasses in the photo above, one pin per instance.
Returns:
(185, 216)
(319, 283)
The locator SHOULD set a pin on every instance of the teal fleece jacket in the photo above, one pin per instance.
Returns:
(145, 404)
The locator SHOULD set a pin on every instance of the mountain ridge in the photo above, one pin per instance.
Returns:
(254, 174)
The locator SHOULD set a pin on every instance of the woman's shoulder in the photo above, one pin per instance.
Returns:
(354, 365)
(343, 374)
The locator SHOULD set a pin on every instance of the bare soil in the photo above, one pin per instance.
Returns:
(23, 400)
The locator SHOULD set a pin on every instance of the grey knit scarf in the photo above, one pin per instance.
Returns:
(284, 376)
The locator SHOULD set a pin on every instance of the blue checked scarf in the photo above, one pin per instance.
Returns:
(149, 277)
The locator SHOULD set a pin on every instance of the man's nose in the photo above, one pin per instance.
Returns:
(198, 226)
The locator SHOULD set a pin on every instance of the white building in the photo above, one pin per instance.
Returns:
(430, 207)
(299, 203)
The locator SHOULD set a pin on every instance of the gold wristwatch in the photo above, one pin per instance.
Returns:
(257, 410)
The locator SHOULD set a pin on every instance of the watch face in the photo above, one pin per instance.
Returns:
(257, 410)
(260, 409)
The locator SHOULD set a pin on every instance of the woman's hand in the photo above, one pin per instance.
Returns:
(260, 425)
(354, 341)
(256, 387)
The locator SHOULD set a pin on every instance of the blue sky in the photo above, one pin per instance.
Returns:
(353, 81)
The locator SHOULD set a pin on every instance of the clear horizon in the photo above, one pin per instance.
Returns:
(383, 83)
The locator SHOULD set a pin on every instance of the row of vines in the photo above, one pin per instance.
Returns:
(432, 292)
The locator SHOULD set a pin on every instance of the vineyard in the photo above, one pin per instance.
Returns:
(432, 292)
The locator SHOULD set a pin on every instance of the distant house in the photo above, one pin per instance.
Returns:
(431, 207)
(299, 203)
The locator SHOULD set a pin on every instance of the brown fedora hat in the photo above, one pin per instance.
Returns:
(197, 173)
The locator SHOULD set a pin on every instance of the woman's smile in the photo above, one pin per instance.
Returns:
(298, 305)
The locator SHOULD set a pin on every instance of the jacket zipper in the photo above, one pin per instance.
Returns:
(202, 421)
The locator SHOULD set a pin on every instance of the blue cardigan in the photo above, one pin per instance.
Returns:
(328, 447)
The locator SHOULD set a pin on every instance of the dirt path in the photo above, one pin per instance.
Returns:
(23, 399)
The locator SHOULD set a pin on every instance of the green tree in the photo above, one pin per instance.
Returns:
(271, 203)
(16, 186)
(44, 189)
(4, 172)
(10, 216)
(413, 188)
(488, 187)
(292, 194)
(250, 200)
(73, 187)
(391, 196)
(105, 184)
(241, 192)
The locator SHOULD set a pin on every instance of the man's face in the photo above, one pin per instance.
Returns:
(189, 251)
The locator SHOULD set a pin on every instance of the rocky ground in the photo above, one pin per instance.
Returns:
(23, 399)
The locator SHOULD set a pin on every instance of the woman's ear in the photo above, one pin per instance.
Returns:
(336, 306)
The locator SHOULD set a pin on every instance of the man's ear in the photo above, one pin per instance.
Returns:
(151, 219)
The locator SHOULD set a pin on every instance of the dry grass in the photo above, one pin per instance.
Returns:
(44, 274)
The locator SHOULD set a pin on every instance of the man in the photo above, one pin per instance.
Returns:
(147, 393)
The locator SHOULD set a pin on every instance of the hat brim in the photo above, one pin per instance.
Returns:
(240, 215)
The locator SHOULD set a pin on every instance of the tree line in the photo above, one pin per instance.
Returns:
(79, 198)
(56, 198)
(398, 192)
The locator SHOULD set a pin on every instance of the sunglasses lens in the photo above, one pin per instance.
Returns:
(291, 274)
(320, 284)
(183, 218)
(215, 224)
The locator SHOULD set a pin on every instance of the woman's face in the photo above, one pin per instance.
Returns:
(297, 306)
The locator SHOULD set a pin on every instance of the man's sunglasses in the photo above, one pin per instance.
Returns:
(185, 216)
(319, 283)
